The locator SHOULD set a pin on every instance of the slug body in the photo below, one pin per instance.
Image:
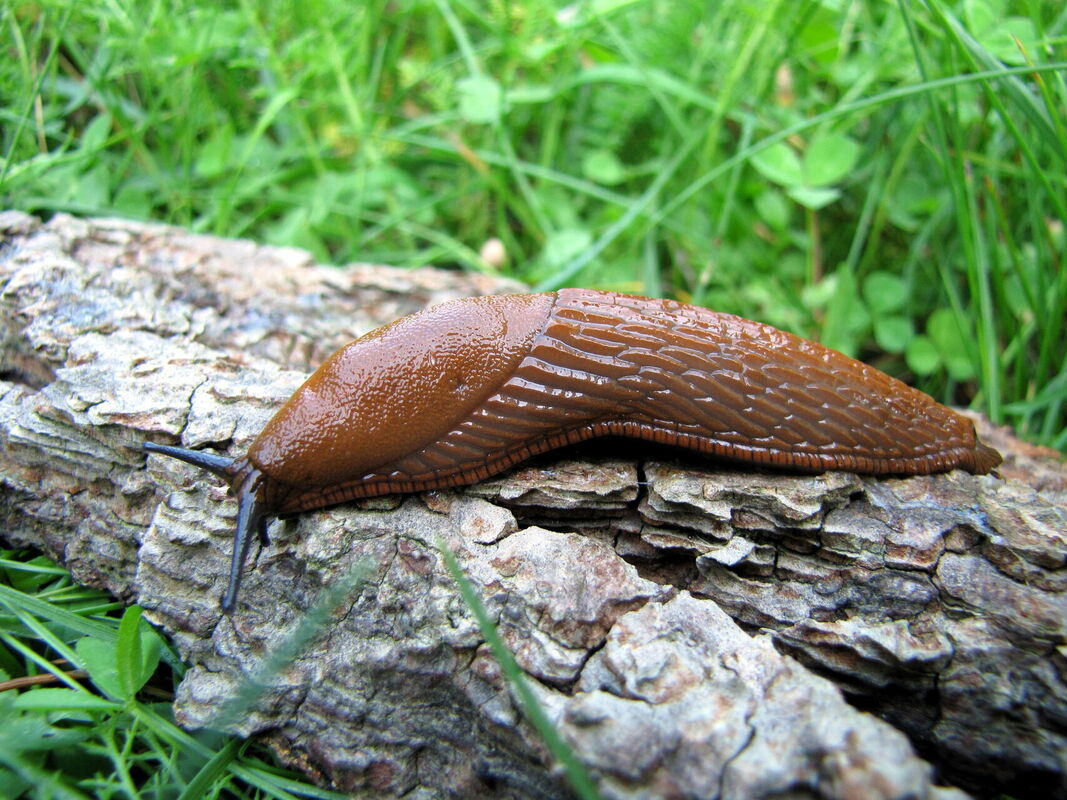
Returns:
(459, 392)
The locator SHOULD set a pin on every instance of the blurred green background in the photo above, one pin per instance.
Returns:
(888, 178)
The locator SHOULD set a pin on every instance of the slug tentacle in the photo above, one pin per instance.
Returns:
(254, 494)
(217, 465)
(250, 515)
(462, 391)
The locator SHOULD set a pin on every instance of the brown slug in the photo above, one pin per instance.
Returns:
(461, 391)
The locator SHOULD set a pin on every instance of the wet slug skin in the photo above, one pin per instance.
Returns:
(459, 392)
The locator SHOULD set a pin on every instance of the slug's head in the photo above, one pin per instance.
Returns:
(252, 490)
(397, 389)
(372, 403)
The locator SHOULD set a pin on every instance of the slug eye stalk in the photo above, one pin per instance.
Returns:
(244, 481)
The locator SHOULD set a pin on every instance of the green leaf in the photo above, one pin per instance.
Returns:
(22, 766)
(893, 333)
(998, 33)
(480, 98)
(566, 244)
(913, 200)
(604, 167)
(1017, 298)
(136, 652)
(829, 158)
(780, 164)
(133, 201)
(817, 296)
(92, 188)
(847, 319)
(813, 197)
(1011, 39)
(922, 356)
(773, 209)
(96, 133)
(820, 37)
(99, 659)
(121, 669)
(951, 341)
(11, 785)
(29, 733)
(128, 653)
(215, 156)
(982, 14)
(884, 292)
(62, 699)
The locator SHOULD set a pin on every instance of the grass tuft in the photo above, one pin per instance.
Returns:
(85, 703)
(776, 160)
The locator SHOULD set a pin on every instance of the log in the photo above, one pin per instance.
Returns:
(692, 630)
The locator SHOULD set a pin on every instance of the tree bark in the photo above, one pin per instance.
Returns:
(693, 631)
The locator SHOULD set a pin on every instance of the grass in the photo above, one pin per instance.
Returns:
(887, 177)
(581, 782)
(98, 720)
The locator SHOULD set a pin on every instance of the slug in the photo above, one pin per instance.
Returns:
(459, 392)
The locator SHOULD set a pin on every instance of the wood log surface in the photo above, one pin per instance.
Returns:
(693, 630)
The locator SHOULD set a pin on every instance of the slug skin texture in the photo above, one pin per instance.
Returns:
(459, 392)
(462, 391)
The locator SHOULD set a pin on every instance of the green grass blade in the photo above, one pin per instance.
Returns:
(579, 778)
(309, 626)
(837, 113)
(217, 766)
(75, 622)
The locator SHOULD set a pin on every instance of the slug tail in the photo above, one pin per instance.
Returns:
(986, 459)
